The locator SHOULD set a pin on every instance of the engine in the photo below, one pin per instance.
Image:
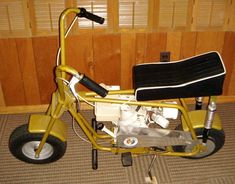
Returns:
(131, 124)
(124, 115)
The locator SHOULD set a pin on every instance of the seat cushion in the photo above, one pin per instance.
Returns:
(201, 75)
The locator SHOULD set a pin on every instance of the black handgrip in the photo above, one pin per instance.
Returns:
(92, 85)
(90, 16)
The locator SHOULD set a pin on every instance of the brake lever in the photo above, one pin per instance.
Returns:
(72, 83)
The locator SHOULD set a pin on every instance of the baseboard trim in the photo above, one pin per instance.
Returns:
(84, 106)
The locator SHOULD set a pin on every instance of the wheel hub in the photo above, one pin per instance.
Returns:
(30, 148)
(206, 150)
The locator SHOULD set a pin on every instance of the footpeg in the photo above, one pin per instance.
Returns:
(126, 159)
(94, 158)
(94, 152)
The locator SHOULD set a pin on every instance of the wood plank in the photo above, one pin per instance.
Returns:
(228, 56)
(140, 46)
(23, 109)
(2, 101)
(79, 52)
(209, 41)
(173, 44)
(28, 70)
(10, 74)
(127, 59)
(156, 43)
(231, 89)
(107, 58)
(45, 49)
(188, 44)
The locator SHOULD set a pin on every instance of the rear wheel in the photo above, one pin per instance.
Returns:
(23, 144)
(214, 143)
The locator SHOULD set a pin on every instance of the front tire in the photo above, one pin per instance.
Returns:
(23, 144)
(214, 143)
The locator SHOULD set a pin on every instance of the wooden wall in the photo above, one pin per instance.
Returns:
(27, 64)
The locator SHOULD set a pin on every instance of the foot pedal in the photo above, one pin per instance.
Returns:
(126, 159)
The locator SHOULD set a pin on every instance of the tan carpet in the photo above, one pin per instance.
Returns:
(75, 166)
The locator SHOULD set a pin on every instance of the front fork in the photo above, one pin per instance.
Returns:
(54, 115)
(209, 119)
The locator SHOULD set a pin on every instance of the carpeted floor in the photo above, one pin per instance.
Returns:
(75, 166)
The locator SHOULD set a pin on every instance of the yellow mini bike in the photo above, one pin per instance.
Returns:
(140, 117)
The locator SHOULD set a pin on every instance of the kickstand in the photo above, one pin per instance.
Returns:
(151, 179)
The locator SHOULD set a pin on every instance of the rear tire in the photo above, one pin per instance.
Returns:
(23, 144)
(214, 143)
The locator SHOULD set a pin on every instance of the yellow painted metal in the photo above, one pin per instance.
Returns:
(54, 117)
(58, 106)
(183, 103)
(38, 124)
(89, 131)
(213, 99)
(63, 16)
(88, 126)
(197, 119)
(112, 92)
(62, 45)
(63, 100)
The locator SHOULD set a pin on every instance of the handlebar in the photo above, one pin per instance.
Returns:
(90, 16)
(92, 85)
(62, 69)
(77, 77)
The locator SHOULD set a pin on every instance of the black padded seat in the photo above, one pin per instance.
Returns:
(201, 75)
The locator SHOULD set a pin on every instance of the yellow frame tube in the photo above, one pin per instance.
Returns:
(93, 97)
(49, 127)
(62, 46)
(88, 130)
(61, 71)
(145, 103)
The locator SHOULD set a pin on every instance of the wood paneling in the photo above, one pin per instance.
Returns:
(231, 88)
(140, 47)
(208, 41)
(107, 58)
(228, 56)
(188, 44)
(173, 44)
(127, 59)
(10, 73)
(45, 49)
(79, 52)
(156, 43)
(2, 101)
(27, 64)
(28, 70)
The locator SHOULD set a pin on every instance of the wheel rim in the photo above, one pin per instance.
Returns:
(210, 147)
(29, 149)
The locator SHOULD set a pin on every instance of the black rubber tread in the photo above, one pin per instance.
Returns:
(216, 136)
(21, 135)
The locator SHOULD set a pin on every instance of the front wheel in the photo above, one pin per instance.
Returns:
(23, 144)
(214, 143)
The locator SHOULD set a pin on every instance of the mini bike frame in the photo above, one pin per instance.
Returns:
(63, 100)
